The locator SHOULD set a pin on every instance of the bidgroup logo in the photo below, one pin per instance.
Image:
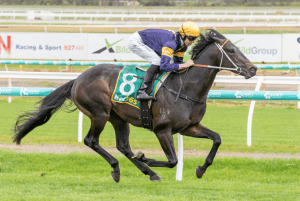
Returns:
(6, 46)
(118, 49)
(255, 50)
(298, 39)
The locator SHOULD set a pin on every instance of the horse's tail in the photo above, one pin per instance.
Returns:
(48, 106)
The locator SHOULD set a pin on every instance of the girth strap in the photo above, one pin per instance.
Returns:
(182, 96)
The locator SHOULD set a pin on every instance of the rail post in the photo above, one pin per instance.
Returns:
(250, 115)
(9, 84)
(80, 120)
(179, 168)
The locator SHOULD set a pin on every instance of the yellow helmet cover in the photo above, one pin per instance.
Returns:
(189, 29)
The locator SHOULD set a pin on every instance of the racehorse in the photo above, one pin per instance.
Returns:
(91, 92)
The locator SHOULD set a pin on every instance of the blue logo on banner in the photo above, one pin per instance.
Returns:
(298, 40)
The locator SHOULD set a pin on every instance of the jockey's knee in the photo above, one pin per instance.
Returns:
(155, 62)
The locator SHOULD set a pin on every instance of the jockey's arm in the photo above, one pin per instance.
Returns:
(178, 58)
(166, 57)
(166, 66)
(187, 64)
(168, 53)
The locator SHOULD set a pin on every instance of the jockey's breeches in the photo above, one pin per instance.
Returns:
(137, 46)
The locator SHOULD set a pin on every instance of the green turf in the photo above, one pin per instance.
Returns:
(275, 128)
(36, 176)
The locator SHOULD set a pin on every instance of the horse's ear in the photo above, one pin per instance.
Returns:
(218, 40)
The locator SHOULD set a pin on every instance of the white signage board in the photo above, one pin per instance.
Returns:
(110, 47)
(258, 47)
(43, 46)
(291, 47)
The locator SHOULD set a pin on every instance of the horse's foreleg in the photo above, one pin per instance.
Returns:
(122, 141)
(199, 131)
(166, 141)
(92, 141)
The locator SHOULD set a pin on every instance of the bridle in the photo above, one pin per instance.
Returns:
(220, 47)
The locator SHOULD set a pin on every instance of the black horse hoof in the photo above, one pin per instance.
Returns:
(115, 176)
(200, 171)
(155, 178)
(138, 156)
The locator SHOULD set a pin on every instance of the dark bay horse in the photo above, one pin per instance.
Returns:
(92, 90)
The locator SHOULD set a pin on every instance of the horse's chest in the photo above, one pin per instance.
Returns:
(178, 115)
(197, 113)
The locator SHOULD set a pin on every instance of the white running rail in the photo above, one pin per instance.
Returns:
(153, 17)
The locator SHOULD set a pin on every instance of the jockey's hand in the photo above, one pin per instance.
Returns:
(187, 64)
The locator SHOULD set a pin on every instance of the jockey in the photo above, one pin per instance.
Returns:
(163, 49)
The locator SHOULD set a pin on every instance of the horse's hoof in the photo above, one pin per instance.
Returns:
(199, 172)
(138, 156)
(115, 176)
(155, 178)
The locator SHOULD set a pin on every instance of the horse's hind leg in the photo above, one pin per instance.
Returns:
(92, 141)
(199, 131)
(122, 140)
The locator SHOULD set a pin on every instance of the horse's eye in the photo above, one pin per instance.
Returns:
(231, 51)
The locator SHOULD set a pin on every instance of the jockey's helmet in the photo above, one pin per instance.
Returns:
(189, 29)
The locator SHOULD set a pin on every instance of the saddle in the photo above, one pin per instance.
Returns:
(128, 82)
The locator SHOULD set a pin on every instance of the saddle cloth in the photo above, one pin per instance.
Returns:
(129, 82)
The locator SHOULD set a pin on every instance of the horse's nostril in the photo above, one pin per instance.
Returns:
(253, 69)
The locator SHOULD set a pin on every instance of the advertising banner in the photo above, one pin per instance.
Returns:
(22, 91)
(258, 47)
(291, 47)
(110, 47)
(254, 95)
(43, 46)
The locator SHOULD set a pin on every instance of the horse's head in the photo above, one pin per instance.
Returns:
(226, 54)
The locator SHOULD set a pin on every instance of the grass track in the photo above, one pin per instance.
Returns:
(35, 176)
(275, 129)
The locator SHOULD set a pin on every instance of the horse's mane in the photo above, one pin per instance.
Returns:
(204, 41)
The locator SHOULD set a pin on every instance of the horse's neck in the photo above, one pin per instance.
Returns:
(198, 79)
(201, 79)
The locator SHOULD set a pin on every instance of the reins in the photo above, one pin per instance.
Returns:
(208, 66)
(180, 95)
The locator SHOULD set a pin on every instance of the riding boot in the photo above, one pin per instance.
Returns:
(141, 94)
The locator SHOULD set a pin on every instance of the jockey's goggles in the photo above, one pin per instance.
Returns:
(191, 38)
